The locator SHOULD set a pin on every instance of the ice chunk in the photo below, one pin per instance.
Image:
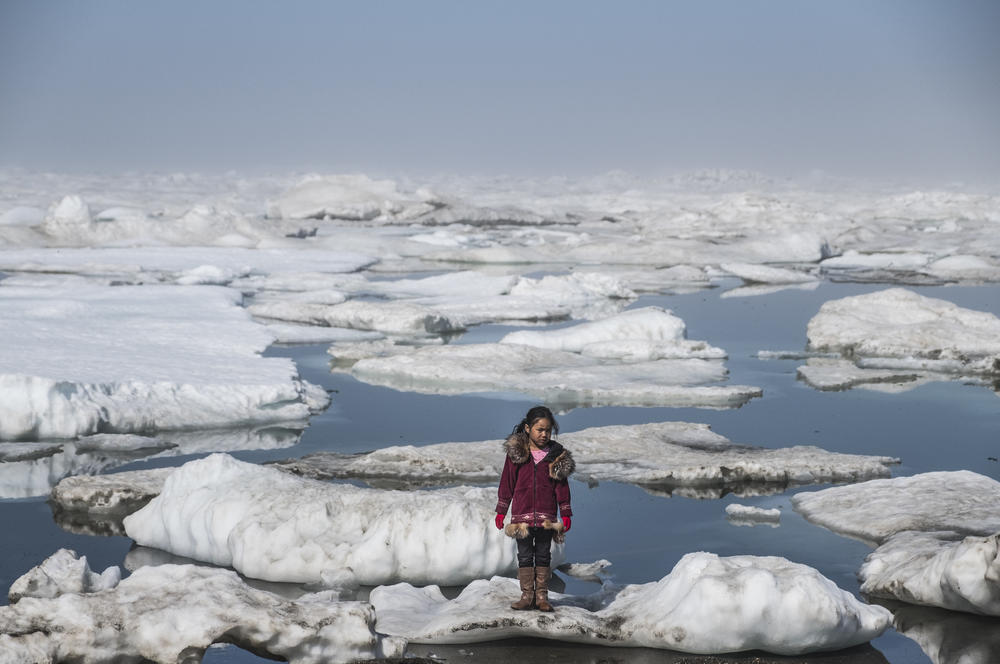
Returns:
(898, 323)
(764, 274)
(285, 333)
(936, 569)
(167, 263)
(853, 260)
(649, 333)
(707, 604)
(271, 525)
(121, 493)
(173, 613)
(563, 379)
(349, 197)
(918, 524)
(71, 211)
(62, 572)
(747, 515)
(664, 454)
(138, 359)
(959, 501)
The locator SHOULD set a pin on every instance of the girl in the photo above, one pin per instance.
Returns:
(534, 479)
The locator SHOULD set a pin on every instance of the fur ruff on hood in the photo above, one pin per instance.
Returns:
(561, 463)
(520, 530)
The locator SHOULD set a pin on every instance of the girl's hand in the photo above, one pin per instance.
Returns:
(499, 521)
(566, 524)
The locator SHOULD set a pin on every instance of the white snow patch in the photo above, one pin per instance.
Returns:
(137, 359)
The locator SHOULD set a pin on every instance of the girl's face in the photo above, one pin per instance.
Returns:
(539, 432)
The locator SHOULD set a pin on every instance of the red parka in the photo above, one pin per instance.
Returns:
(534, 492)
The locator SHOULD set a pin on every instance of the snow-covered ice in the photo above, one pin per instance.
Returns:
(935, 533)
(747, 515)
(271, 525)
(898, 324)
(139, 358)
(562, 379)
(663, 454)
(637, 335)
(936, 569)
(173, 613)
(707, 604)
(62, 572)
(959, 501)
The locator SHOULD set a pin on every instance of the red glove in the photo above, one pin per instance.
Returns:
(566, 524)
(499, 521)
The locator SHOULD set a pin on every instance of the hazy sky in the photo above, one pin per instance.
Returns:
(536, 87)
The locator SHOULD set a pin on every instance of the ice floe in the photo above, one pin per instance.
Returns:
(645, 334)
(664, 455)
(707, 604)
(935, 533)
(173, 613)
(638, 357)
(561, 379)
(169, 264)
(62, 572)
(894, 340)
(271, 525)
(898, 324)
(139, 358)
(747, 515)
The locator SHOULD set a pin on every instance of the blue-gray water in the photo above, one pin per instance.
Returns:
(939, 426)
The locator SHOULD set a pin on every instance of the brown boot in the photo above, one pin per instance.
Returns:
(526, 575)
(542, 589)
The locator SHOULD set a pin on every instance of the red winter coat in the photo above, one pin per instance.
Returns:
(537, 490)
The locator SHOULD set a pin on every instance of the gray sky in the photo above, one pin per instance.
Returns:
(852, 87)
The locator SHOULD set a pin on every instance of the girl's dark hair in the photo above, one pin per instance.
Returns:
(535, 414)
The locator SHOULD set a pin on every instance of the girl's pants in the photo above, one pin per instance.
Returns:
(533, 550)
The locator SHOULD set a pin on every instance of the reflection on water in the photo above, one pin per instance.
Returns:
(948, 637)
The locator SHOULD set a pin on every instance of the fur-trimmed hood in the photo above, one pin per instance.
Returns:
(560, 460)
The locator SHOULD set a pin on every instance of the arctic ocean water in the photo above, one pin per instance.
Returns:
(937, 426)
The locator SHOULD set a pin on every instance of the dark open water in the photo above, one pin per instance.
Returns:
(940, 426)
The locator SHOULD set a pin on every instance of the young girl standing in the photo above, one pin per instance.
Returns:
(534, 479)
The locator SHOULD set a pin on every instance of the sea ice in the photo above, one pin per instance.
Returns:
(936, 536)
(936, 569)
(765, 274)
(173, 613)
(707, 604)
(659, 454)
(747, 515)
(637, 335)
(959, 501)
(62, 572)
(562, 379)
(171, 263)
(139, 358)
(898, 324)
(271, 525)
(349, 197)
